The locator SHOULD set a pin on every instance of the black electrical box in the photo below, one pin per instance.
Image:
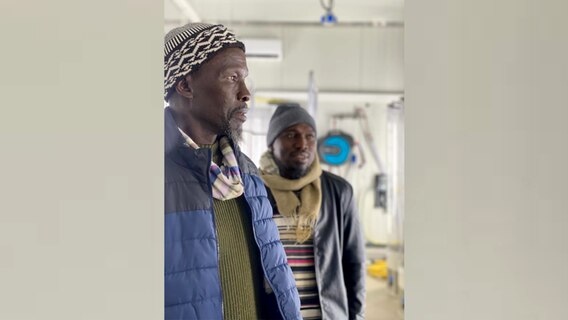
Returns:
(381, 191)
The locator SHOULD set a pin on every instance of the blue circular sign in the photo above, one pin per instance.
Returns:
(335, 149)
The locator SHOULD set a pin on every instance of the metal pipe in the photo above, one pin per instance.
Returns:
(332, 96)
(263, 23)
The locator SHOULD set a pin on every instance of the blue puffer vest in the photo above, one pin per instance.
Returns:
(192, 284)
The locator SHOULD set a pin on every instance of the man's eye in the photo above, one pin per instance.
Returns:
(290, 135)
(233, 78)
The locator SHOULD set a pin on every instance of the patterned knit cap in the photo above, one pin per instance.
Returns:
(189, 47)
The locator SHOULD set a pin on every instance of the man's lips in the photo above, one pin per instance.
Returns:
(240, 114)
(300, 156)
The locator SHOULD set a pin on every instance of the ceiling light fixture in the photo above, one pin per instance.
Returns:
(328, 18)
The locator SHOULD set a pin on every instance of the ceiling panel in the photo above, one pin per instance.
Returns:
(286, 11)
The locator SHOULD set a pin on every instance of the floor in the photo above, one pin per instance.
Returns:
(382, 304)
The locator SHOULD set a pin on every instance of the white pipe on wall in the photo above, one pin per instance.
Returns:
(333, 96)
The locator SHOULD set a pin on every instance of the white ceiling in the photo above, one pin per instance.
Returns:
(284, 11)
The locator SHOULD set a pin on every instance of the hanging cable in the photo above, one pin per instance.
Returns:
(327, 8)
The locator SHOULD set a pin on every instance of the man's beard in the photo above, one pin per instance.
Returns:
(290, 172)
(233, 132)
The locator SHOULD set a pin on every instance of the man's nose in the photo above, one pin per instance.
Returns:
(302, 143)
(244, 93)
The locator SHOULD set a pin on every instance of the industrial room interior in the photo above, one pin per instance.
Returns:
(485, 196)
(343, 62)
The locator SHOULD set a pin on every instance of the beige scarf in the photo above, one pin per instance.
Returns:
(303, 211)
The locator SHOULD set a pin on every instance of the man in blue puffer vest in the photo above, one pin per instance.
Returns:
(223, 255)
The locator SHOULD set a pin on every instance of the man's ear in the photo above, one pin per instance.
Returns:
(183, 89)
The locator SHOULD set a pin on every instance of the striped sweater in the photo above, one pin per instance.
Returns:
(301, 260)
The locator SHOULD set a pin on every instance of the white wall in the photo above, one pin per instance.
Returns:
(346, 58)
(487, 205)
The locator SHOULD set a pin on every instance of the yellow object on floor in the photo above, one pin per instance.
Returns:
(378, 269)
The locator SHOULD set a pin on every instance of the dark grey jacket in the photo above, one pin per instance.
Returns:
(339, 251)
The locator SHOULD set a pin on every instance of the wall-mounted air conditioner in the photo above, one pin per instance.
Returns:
(266, 49)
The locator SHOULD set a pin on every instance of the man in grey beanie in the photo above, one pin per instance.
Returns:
(316, 217)
(223, 255)
(288, 115)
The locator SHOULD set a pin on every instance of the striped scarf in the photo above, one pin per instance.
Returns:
(226, 180)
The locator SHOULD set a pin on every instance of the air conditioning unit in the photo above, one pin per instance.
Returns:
(264, 49)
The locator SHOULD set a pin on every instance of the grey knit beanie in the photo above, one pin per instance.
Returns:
(287, 115)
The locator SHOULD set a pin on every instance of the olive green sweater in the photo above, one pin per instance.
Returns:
(239, 260)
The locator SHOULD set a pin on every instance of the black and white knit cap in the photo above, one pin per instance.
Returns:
(188, 47)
